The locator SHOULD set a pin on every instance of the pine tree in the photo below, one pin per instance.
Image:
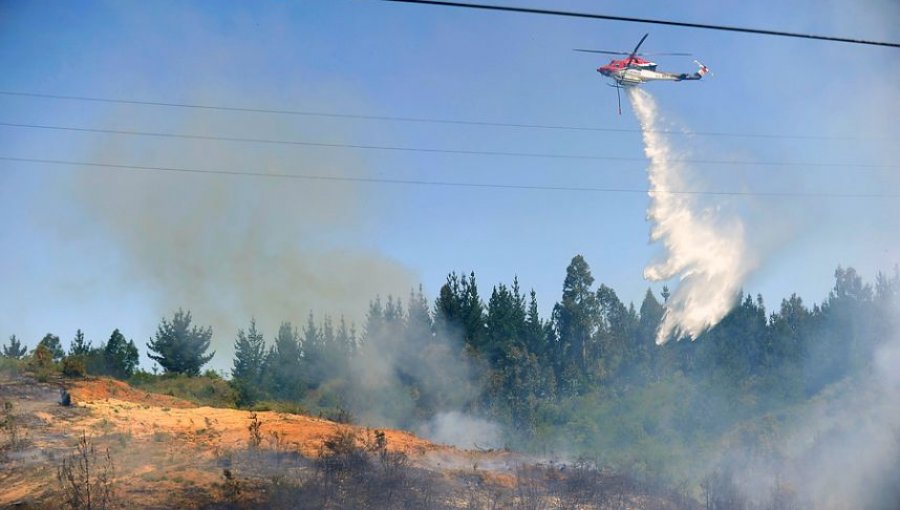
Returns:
(576, 319)
(505, 326)
(734, 346)
(617, 327)
(472, 312)
(120, 357)
(447, 307)
(345, 339)
(535, 334)
(375, 321)
(180, 348)
(51, 342)
(649, 360)
(844, 327)
(79, 347)
(247, 370)
(15, 349)
(419, 327)
(458, 310)
(337, 348)
(788, 331)
(286, 372)
(394, 322)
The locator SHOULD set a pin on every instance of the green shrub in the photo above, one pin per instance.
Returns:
(41, 359)
(73, 366)
(278, 407)
(10, 367)
(9, 423)
(202, 390)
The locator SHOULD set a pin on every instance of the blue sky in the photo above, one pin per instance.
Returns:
(99, 249)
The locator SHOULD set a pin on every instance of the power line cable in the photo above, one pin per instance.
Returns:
(419, 182)
(423, 120)
(651, 21)
(431, 150)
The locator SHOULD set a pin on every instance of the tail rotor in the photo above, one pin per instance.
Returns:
(703, 71)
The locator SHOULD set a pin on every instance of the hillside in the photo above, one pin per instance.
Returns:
(166, 452)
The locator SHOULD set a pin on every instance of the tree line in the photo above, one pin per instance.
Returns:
(518, 361)
(177, 346)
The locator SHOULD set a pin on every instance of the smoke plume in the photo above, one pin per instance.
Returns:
(462, 430)
(421, 382)
(705, 251)
(229, 248)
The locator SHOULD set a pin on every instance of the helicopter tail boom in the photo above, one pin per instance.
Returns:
(703, 71)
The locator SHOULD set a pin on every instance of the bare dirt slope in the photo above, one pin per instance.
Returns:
(160, 445)
(170, 453)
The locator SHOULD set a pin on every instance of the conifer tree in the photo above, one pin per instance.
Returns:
(649, 359)
(576, 319)
(447, 307)
(375, 320)
(505, 323)
(249, 356)
(394, 322)
(617, 327)
(79, 347)
(345, 339)
(458, 310)
(180, 348)
(285, 365)
(14, 349)
(472, 312)
(120, 357)
(419, 327)
(535, 334)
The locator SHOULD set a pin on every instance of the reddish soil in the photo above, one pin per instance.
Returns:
(161, 446)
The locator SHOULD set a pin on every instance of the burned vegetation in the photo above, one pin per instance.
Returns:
(115, 447)
(355, 469)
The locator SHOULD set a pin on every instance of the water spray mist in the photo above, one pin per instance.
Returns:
(705, 251)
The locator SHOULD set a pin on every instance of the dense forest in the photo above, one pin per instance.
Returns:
(588, 382)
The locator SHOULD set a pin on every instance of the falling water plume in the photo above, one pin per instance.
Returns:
(704, 250)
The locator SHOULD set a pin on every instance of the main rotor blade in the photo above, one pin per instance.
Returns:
(667, 54)
(638, 46)
(605, 52)
(655, 54)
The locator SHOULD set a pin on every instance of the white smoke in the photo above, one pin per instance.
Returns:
(704, 250)
(462, 430)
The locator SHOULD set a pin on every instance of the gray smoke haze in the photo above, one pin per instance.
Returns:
(855, 442)
(842, 449)
(425, 383)
(462, 430)
(229, 247)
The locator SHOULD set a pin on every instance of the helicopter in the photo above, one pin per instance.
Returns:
(634, 70)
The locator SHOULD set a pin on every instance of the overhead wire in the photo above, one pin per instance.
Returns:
(452, 121)
(651, 21)
(456, 184)
(421, 120)
(432, 150)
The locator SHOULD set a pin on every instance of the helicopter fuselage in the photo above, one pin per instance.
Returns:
(636, 75)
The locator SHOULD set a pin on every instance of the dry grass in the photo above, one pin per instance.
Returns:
(171, 453)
